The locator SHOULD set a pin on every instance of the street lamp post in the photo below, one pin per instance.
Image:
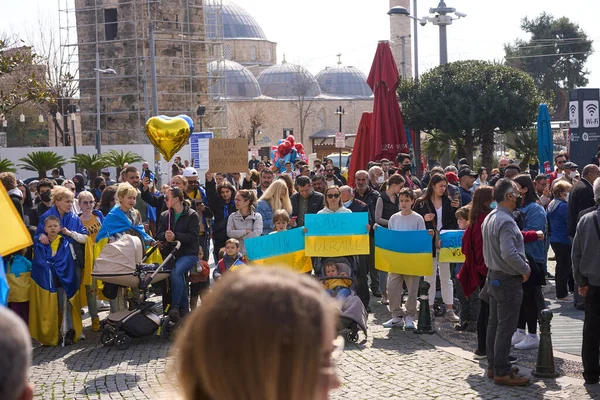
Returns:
(200, 113)
(72, 111)
(340, 112)
(98, 72)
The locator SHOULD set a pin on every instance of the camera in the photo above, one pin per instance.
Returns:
(423, 21)
(460, 15)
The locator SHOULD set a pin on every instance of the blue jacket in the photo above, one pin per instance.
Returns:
(265, 210)
(558, 218)
(534, 219)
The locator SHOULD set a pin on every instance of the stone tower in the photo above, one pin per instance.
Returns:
(400, 28)
(117, 32)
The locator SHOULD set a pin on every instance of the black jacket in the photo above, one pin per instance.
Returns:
(253, 164)
(186, 230)
(246, 184)
(581, 197)
(315, 203)
(220, 210)
(370, 199)
(448, 215)
(336, 180)
(358, 206)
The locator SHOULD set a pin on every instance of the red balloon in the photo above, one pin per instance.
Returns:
(291, 139)
(287, 147)
(273, 147)
(281, 150)
(299, 147)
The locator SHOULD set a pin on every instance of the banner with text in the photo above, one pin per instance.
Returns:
(281, 248)
(451, 247)
(199, 149)
(334, 235)
(403, 252)
(228, 155)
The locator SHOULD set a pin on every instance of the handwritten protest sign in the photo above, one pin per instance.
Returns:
(282, 248)
(403, 252)
(333, 235)
(228, 155)
(451, 247)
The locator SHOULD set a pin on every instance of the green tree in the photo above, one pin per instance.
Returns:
(6, 165)
(524, 144)
(41, 162)
(20, 78)
(468, 100)
(119, 158)
(92, 164)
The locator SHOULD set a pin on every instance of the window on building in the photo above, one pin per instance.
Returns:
(110, 23)
(253, 53)
(228, 52)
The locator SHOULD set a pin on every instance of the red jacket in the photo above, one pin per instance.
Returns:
(551, 177)
(474, 270)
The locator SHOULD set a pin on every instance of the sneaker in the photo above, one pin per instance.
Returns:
(95, 325)
(490, 373)
(549, 276)
(567, 299)
(103, 305)
(409, 323)
(384, 300)
(517, 337)
(82, 336)
(394, 322)
(376, 293)
(174, 313)
(511, 379)
(530, 342)
(479, 355)
(450, 316)
(512, 359)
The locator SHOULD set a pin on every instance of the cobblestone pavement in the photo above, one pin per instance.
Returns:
(392, 364)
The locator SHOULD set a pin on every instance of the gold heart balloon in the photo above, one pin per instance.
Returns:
(167, 135)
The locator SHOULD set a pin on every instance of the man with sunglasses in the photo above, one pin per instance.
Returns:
(560, 161)
(330, 178)
(504, 255)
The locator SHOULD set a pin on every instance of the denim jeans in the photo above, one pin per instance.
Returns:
(506, 294)
(179, 293)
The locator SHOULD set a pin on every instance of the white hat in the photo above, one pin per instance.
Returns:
(189, 172)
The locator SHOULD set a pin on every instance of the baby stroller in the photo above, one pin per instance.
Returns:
(353, 316)
(439, 307)
(122, 263)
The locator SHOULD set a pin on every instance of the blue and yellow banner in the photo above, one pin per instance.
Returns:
(334, 235)
(403, 252)
(281, 248)
(451, 246)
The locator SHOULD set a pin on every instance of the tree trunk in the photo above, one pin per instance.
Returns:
(468, 150)
(487, 149)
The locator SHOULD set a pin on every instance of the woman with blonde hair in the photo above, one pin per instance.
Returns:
(289, 347)
(276, 197)
(245, 223)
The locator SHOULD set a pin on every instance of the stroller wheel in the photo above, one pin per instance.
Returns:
(439, 309)
(122, 341)
(352, 336)
(108, 337)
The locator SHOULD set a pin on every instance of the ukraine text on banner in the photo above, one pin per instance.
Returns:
(403, 252)
(451, 246)
(17, 237)
(281, 248)
(334, 235)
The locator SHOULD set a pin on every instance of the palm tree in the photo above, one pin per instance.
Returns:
(41, 162)
(7, 166)
(524, 145)
(92, 164)
(119, 159)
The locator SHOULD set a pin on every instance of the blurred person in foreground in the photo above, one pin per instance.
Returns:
(15, 357)
(289, 348)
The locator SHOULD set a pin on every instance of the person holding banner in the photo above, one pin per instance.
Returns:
(245, 222)
(276, 197)
(404, 220)
(386, 206)
(438, 211)
(333, 202)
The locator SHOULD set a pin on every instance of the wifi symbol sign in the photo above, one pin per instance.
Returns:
(573, 110)
(590, 114)
(592, 109)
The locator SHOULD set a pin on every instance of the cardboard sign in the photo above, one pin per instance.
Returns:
(333, 235)
(281, 248)
(228, 155)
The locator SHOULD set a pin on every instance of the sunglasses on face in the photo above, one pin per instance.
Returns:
(331, 196)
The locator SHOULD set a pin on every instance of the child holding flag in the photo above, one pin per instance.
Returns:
(231, 257)
(404, 220)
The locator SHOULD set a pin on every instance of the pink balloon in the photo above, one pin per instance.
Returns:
(291, 139)
(299, 147)
(273, 147)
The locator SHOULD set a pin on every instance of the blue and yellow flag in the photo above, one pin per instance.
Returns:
(451, 246)
(17, 237)
(3, 284)
(281, 248)
(335, 235)
(403, 252)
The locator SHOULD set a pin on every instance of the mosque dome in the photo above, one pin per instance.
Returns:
(343, 82)
(288, 80)
(237, 22)
(234, 81)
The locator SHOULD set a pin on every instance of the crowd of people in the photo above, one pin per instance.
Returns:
(510, 220)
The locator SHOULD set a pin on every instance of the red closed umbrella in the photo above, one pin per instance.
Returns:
(387, 128)
(361, 151)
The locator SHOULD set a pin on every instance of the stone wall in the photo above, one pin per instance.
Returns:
(400, 26)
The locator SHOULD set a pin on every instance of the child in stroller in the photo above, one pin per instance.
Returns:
(353, 315)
